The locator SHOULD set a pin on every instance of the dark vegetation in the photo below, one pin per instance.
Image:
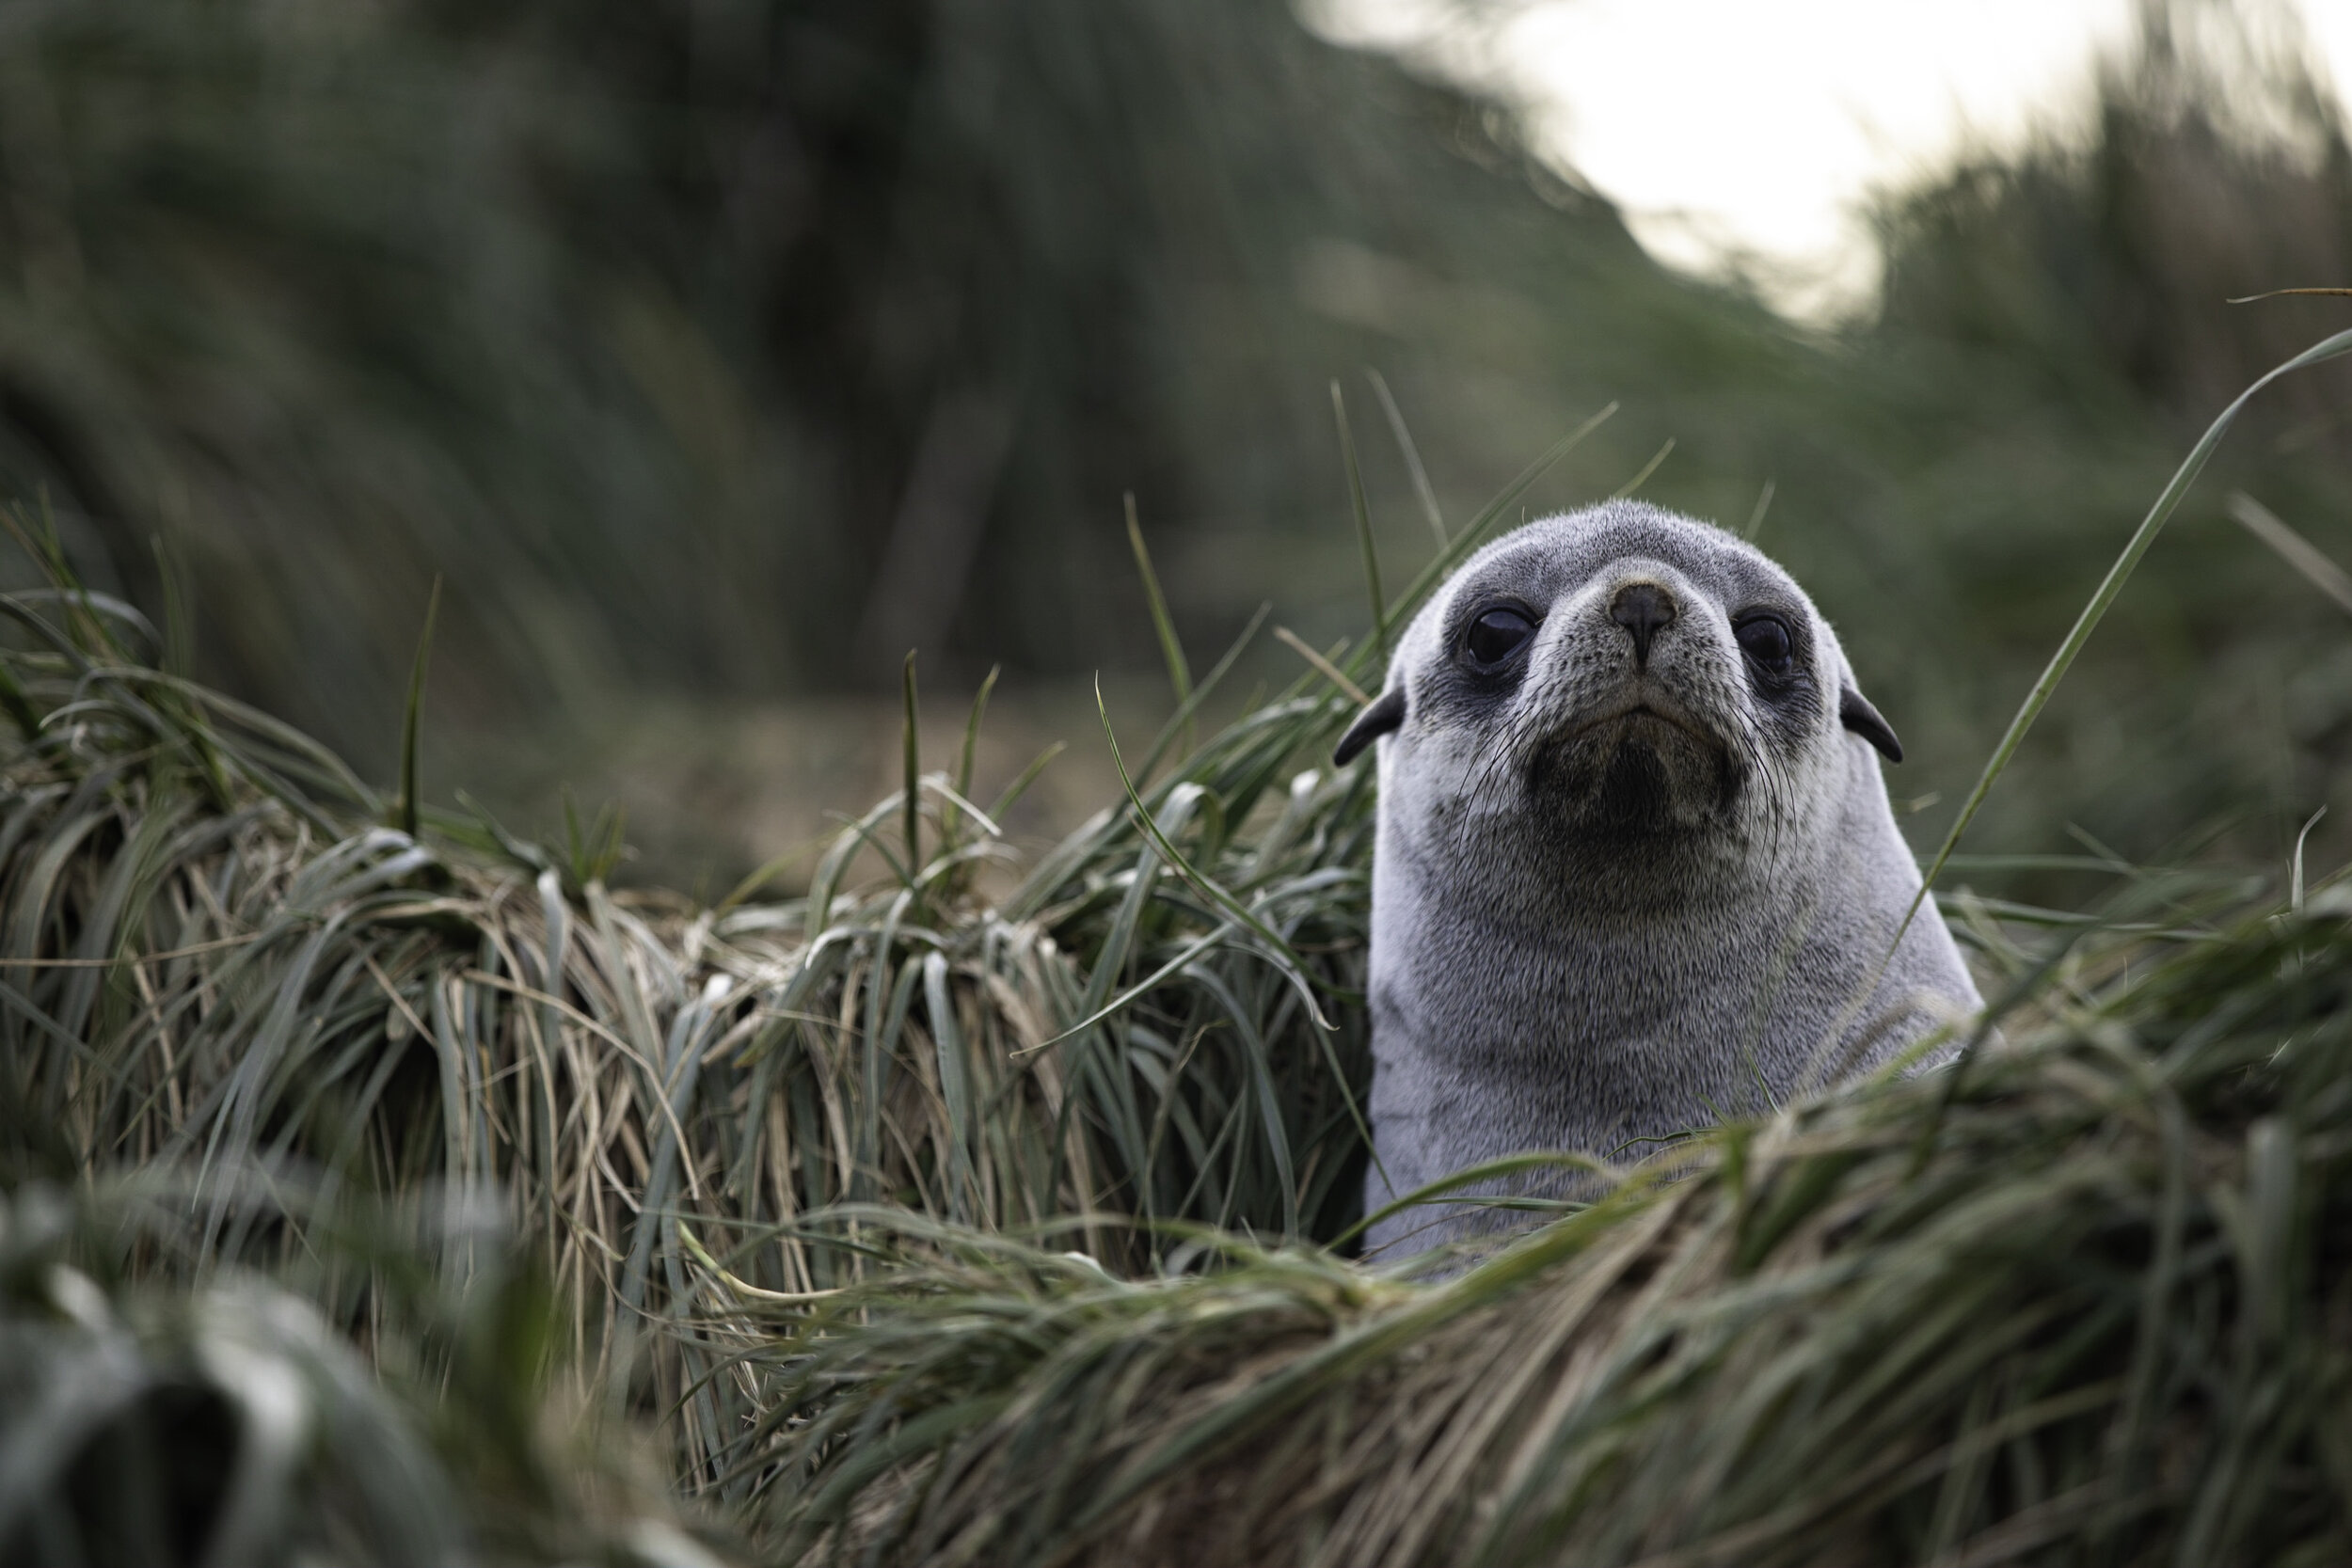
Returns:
(928, 1228)
(376, 1185)
(726, 351)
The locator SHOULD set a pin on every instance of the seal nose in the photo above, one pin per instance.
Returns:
(1642, 607)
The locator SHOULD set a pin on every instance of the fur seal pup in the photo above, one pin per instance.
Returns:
(1635, 863)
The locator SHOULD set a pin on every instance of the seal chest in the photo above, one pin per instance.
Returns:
(1636, 868)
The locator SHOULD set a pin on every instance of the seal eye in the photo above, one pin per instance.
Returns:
(1765, 639)
(1497, 635)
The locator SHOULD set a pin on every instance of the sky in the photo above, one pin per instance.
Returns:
(1746, 133)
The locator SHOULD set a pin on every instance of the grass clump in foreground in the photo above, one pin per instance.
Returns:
(147, 1418)
(2087, 1299)
(796, 1173)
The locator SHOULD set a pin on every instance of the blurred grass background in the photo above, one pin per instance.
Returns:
(716, 354)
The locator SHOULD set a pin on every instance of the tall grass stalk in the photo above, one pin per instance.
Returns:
(2102, 599)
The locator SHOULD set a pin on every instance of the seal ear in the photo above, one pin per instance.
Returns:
(1385, 714)
(1855, 712)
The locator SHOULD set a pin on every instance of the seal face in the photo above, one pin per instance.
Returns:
(1636, 865)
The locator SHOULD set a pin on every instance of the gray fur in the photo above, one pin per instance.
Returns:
(1593, 926)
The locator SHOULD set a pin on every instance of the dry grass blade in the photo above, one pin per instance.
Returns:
(1323, 666)
(2295, 550)
(1755, 517)
(2287, 294)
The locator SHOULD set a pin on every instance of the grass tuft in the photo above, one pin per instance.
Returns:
(279, 983)
(2100, 1321)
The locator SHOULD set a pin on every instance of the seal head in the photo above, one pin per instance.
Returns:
(1636, 863)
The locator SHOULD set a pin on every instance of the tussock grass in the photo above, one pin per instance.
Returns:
(2073, 1300)
(797, 1172)
(215, 951)
(2083, 1299)
(216, 958)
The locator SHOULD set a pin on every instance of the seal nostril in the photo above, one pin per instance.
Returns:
(1642, 607)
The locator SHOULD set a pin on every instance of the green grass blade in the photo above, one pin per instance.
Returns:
(1362, 512)
(179, 635)
(413, 713)
(1179, 722)
(1029, 776)
(1641, 477)
(972, 730)
(1423, 491)
(1292, 967)
(1171, 649)
(2094, 612)
(911, 824)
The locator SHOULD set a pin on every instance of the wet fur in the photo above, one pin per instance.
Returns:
(1594, 929)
